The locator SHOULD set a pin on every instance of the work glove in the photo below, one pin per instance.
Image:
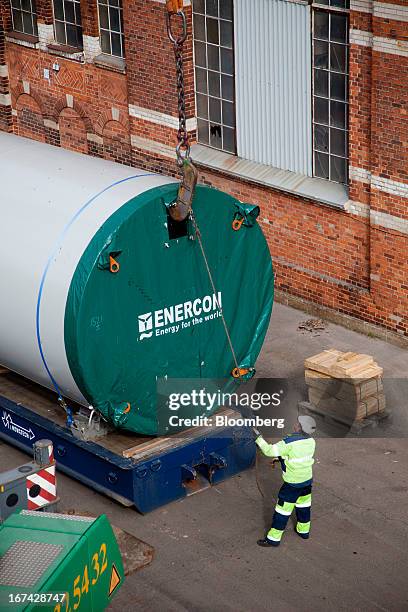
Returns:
(256, 432)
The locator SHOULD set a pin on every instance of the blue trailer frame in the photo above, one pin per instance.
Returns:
(145, 483)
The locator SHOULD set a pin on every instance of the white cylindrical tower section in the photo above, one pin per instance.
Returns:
(52, 203)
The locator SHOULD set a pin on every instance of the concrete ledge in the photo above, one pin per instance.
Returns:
(117, 64)
(146, 114)
(66, 51)
(5, 99)
(26, 40)
(94, 138)
(52, 125)
(153, 147)
(347, 321)
(316, 189)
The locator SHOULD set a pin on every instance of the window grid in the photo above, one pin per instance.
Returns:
(330, 95)
(111, 27)
(214, 73)
(24, 16)
(67, 23)
(333, 5)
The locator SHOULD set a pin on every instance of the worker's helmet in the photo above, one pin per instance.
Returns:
(307, 423)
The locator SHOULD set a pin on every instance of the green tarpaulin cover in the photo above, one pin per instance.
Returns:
(157, 316)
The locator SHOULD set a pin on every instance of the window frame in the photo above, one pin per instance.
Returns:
(33, 17)
(79, 27)
(219, 72)
(331, 7)
(121, 33)
(331, 10)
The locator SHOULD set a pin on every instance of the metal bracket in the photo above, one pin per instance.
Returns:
(88, 424)
(217, 461)
(188, 473)
(180, 209)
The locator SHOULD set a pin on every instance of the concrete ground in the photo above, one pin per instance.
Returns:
(206, 553)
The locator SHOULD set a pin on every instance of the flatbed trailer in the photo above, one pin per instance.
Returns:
(132, 469)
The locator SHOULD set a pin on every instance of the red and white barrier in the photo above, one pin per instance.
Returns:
(42, 485)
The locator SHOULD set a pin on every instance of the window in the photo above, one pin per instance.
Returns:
(274, 99)
(67, 19)
(335, 4)
(273, 74)
(111, 26)
(24, 13)
(330, 91)
(214, 73)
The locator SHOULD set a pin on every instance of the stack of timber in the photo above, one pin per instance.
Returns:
(345, 386)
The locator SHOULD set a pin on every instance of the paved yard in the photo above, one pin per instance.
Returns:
(206, 553)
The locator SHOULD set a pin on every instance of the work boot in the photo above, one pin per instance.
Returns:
(265, 542)
(304, 536)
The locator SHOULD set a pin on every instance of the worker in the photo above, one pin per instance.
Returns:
(295, 453)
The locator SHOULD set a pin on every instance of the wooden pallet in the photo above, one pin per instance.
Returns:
(352, 390)
(355, 409)
(355, 426)
(351, 366)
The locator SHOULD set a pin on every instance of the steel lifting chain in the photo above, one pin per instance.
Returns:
(183, 147)
(182, 207)
(175, 8)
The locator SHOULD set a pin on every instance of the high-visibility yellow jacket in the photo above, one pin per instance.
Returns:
(296, 456)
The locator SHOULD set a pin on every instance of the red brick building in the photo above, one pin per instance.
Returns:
(300, 107)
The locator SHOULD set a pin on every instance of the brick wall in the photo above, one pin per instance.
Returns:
(77, 101)
(6, 122)
(353, 260)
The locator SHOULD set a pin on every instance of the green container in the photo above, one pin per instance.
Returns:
(44, 556)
